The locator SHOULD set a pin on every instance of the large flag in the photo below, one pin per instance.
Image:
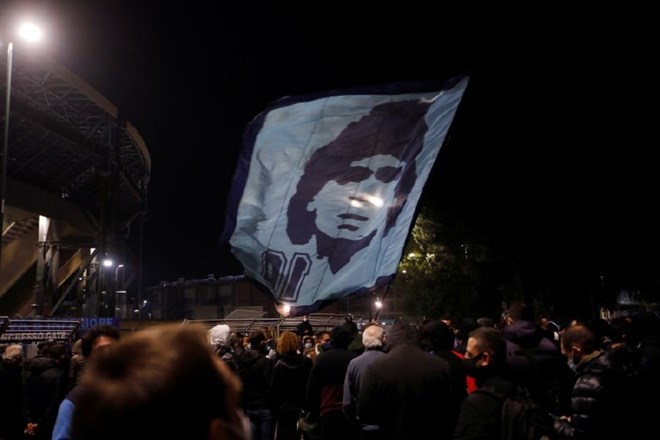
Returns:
(327, 186)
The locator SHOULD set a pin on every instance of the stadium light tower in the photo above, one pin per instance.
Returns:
(29, 32)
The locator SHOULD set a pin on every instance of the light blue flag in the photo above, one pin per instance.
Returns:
(327, 185)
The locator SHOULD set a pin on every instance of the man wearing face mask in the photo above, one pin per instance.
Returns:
(601, 399)
(485, 360)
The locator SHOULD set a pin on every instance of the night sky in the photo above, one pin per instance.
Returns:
(552, 149)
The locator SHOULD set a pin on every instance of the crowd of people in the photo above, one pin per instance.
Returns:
(402, 381)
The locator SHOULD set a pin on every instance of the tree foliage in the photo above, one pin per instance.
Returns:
(449, 271)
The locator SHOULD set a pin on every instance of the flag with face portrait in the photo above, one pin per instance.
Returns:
(327, 185)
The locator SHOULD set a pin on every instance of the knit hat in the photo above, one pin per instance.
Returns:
(219, 334)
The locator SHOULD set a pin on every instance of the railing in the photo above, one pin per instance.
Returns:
(246, 320)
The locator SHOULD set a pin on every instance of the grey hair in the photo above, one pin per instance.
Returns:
(372, 337)
(13, 353)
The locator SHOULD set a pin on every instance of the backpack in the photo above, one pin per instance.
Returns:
(522, 418)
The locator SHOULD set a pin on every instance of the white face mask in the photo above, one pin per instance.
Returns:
(573, 361)
(572, 365)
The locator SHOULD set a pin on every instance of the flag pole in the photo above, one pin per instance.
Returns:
(387, 289)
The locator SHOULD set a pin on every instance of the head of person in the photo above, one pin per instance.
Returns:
(308, 342)
(440, 336)
(13, 354)
(323, 340)
(340, 337)
(519, 311)
(485, 354)
(579, 344)
(257, 340)
(485, 321)
(402, 332)
(219, 335)
(372, 337)
(163, 382)
(98, 338)
(77, 347)
(339, 197)
(288, 343)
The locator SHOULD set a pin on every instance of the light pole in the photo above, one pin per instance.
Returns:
(30, 32)
(120, 294)
(5, 144)
(378, 304)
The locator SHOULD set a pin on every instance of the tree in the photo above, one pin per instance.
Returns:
(447, 270)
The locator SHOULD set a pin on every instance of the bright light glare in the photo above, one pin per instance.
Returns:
(107, 262)
(30, 32)
(376, 201)
(283, 309)
(378, 303)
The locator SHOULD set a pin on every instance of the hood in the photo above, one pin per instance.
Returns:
(40, 364)
(523, 333)
(219, 335)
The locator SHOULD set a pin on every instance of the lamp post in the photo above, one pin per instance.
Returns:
(5, 144)
(120, 294)
(30, 32)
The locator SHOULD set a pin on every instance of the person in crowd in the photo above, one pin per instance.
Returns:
(551, 328)
(45, 386)
(350, 325)
(601, 400)
(96, 339)
(485, 321)
(288, 385)
(441, 339)
(645, 336)
(256, 371)
(462, 332)
(164, 382)
(304, 328)
(405, 393)
(12, 422)
(372, 340)
(535, 361)
(308, 343)
(76, 363)
(485, 359)
(322, 341)
(219, 337)
(325, 387)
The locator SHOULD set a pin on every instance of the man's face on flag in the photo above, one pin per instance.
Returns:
(354, 206)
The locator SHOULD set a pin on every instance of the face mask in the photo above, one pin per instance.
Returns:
(573, 361)
(572, 365)
(471, 365)
(308, 345)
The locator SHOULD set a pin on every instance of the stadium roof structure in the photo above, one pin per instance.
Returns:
(63, 134)
(71, 159)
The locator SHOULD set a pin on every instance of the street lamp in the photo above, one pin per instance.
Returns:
(29, 32)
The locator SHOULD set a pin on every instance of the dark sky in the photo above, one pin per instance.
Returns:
(552, 148)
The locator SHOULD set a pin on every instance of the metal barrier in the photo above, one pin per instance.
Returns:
(246, 320)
